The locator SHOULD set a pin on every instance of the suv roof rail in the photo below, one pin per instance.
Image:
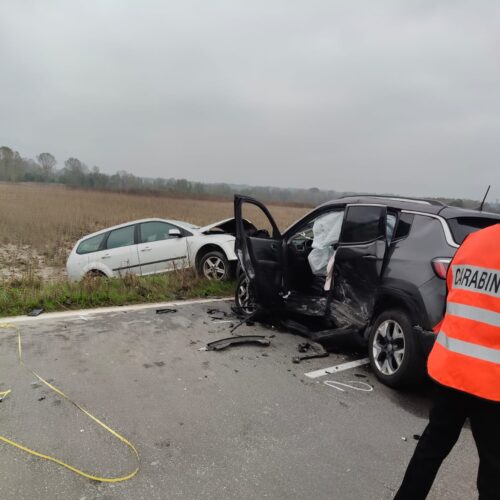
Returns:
(425, 201)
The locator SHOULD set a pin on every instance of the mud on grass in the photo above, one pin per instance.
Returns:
(18, 296)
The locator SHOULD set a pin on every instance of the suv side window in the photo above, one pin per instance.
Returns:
(363, 224)
(122, 237)
(404, 226)
(155, 231)
(90, 245)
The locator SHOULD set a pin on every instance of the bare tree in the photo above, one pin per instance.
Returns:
(47, 161)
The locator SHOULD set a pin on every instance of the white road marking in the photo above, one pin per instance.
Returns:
(223, 321)
(104, 310)
(337, 368)
(357, 385)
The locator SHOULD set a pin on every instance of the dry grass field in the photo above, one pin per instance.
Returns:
(39, 223)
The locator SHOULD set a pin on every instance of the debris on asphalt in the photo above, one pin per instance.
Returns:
(216, 314)
(248, 320)
(309, 350)
(218, 345)
(416, 437)
(166, 310)
(36, 312)
(404, 438)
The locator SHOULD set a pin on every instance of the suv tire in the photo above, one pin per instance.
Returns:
(244, 299)
(393, 350)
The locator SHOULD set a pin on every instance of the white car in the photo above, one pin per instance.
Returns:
(151, 246)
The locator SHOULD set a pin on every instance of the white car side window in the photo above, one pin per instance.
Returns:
(155, 231)
(121, 237)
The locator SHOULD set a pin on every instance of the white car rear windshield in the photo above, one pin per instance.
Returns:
(91, 244)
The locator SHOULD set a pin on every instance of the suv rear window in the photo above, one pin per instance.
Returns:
(461, 227)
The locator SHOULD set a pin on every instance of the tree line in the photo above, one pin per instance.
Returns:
(76, 174)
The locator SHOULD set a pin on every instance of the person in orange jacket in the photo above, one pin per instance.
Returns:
(465, 362)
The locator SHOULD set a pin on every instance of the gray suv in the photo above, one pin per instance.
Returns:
(372, 266)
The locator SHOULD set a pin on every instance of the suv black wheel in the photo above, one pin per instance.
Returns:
(215, 266)
(393, 350)
(244, 298)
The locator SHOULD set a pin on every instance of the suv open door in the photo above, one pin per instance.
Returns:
(259, 252)
(358, 265)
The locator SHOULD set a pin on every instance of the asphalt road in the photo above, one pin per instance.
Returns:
(244, 423)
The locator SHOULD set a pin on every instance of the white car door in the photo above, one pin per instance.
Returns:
(159, 250)
(120, 255)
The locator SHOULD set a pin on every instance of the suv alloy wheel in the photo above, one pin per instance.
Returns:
(243, 296)
(393, 349)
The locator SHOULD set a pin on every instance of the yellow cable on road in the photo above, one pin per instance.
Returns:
(95, 419)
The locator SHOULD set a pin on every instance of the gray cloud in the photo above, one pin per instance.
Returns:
(384, 96)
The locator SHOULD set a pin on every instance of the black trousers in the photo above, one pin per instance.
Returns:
(448, 414)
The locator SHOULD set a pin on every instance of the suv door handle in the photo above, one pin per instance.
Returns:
(146, 249)
(107, 256)
(370, 257)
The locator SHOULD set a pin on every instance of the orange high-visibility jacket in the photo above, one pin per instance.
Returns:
(466, 355)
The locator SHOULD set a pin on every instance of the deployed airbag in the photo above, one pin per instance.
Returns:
(326, 231)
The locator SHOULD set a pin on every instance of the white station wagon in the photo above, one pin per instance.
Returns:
(151, 246)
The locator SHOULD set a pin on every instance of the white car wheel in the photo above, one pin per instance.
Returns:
(214, 266)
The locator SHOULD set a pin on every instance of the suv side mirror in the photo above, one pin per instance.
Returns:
(175, 233)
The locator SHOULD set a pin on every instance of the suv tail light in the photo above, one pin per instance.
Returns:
(440, 266)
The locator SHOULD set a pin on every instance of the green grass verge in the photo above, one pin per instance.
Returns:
(19, 296)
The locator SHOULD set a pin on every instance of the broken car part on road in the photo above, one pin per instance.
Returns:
(219, 345)
(166, 310)
(310, 350)
(36, 312)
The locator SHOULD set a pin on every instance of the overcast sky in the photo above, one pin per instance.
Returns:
(386, 96)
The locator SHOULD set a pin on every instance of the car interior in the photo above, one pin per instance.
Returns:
(311, 248)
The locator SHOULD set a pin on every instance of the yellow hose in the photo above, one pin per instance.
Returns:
(95, 419)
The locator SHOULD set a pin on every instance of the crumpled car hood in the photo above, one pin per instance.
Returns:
(225, 226)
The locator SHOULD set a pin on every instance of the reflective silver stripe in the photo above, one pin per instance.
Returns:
(476, 279)
(469, 349)
(474, 313)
